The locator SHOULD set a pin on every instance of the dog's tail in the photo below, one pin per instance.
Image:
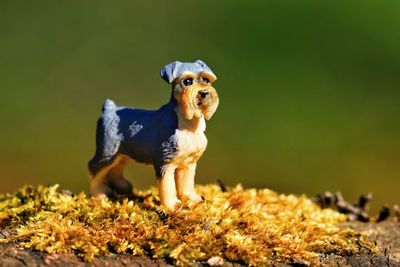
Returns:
(108, 138)
(109, 105)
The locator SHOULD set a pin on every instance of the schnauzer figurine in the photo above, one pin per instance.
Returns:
(171, 138)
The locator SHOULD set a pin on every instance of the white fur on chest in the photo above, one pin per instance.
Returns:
(190, 144)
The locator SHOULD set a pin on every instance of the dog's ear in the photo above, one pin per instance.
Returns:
(203, 65)
(169, 71)
(206, 69)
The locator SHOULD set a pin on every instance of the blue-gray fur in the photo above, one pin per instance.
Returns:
(152, 143)
(175, 69)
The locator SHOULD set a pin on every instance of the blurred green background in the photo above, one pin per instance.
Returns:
(310, 90)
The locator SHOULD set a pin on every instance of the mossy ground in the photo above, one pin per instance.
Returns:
(253, 227)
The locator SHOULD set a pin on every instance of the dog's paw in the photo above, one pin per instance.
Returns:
(101, 196)
(195, 198)
(172, 203)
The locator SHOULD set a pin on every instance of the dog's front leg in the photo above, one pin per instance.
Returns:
(184, 179)
(166, 187)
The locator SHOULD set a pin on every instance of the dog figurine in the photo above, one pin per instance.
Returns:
(171, 138)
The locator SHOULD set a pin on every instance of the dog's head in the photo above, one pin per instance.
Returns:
(192, 88)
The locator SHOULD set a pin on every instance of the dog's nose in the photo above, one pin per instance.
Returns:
(203, 94)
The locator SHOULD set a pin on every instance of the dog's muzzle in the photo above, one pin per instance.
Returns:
(203, 94)
(198, 100)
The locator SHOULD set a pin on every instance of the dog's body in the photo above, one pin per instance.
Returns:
(171, 138)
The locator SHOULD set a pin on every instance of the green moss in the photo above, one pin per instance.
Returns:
(250, 226)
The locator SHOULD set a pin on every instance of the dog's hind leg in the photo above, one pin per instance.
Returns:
(109, 179)
(106, 165)
(116, 179)
(99, 185)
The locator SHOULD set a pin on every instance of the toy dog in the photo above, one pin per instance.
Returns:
(171, 138)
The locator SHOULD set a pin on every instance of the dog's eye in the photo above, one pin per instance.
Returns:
(205, 80)
(187, 81)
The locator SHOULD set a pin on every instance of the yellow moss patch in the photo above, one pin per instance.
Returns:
(254, 227)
